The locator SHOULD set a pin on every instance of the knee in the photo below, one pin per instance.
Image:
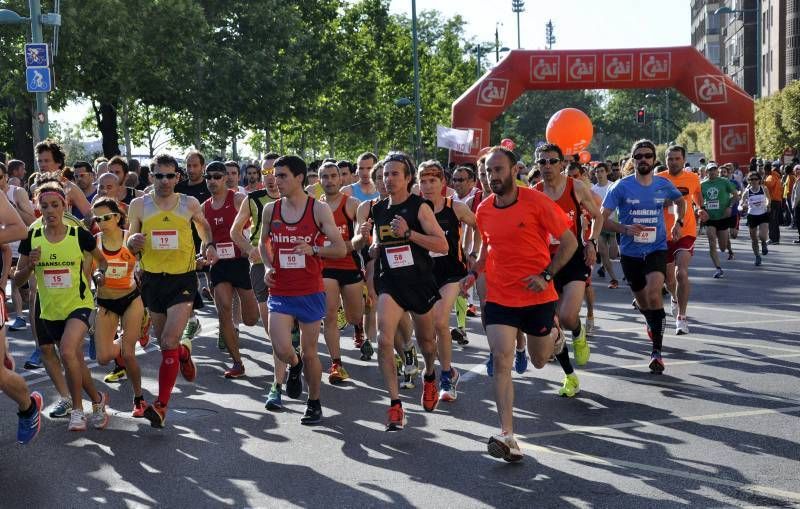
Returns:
(683, 275)
(538, 362)
(502, 363)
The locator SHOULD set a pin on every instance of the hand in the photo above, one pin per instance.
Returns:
(304, 249)
(399, 227)
(466, 283)
(703, 215)
(535, 283)
(269, 277)
(199, 262)
(136, 242)
(211, 255)
(366, 228)
(633, 229)
(34, 257)
(254, 256)
(589, 254)
(675, 233)
(99, 278)
(372, 297)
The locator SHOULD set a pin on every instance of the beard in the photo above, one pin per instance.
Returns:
(501, 187)
(643, 168)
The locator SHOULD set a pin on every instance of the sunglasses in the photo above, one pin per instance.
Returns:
(267, 171)
(754, 180)
(215, 176)
(639, 157)
(160, 176)
(551, 161)
(105, 217)
(400, 158)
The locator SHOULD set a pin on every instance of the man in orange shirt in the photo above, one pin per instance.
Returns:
(775, 189)
(679, 252)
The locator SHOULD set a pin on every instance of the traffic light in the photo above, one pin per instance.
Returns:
(640, 116)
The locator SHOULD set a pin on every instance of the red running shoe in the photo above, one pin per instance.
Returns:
(430, 395)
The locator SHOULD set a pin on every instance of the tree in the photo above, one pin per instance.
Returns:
(696, 137)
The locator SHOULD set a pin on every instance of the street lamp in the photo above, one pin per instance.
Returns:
(757, 10)
(518, 6)
(418, 111)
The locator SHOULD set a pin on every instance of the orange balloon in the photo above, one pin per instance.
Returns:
(571, 129)
(585, 156)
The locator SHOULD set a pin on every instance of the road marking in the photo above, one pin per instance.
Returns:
(716, 359)
(765, 491)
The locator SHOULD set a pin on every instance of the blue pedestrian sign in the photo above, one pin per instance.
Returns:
(36, 55)
(38, 79)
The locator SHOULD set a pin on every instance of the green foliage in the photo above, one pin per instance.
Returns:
(696, 137)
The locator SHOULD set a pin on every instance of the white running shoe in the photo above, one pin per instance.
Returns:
(99, 417)
(77, 421)
(681, 326)
(504, 446)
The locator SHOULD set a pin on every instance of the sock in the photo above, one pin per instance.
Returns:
(137, 399)
(655, 320)
(167, 374)
(577, 332)
(431, 377)
(563, 359)
(461, 312)
(395, 402)
(313, 403)
(338, 360)
(276, 385)
(30, 411)
(445, 373)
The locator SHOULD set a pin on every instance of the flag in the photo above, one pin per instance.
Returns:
(454, 139)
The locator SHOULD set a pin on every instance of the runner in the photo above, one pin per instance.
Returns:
(291, 249)
(726, 171)
(29, 404)
(607, 243)
(253, 213)
(231, 272)
(160, 229)
(466, 192)
(405, 231)
(755, 204)
(521, 295)
(55, 251)
(118, 301)
(572, 196)
(718, 193)
(448, 269)
(341, 276)
(363, 189)
(119, 167)
(680, 251)
(253, 175)
(639, 199)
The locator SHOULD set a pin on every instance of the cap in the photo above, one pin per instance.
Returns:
(776, 164)
(216, 166)
(712, 166)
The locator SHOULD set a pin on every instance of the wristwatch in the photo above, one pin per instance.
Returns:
(594, 243)
(546, 275)
(680, 222)
(407, 234)
(315, 250)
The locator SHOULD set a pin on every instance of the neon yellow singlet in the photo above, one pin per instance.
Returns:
(317, 190)
(60, 281)
(168, 246)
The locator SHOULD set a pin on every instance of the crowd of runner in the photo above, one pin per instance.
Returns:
(108, 252)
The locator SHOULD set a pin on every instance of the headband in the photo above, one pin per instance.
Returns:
(53, 193)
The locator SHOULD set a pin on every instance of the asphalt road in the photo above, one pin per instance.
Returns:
(720, 428)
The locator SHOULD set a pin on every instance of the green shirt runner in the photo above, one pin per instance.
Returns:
(717, 197)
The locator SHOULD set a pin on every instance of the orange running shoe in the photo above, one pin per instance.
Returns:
(188, 369)
(430, 395)
(144, 339)
(156, 414)
(139, 408)
(396, 418)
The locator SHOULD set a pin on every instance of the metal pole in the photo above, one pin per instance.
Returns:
(416, 79)
(519, 44)
(40, 116)
(496, 44)
(667, 127)
(758, 49)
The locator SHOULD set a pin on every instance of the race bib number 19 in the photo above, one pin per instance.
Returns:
(399, 257)
(164, 239)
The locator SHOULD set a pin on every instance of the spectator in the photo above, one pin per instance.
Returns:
(775, 192)
(795, 201)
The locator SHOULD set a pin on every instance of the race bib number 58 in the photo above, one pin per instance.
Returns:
(399, 257)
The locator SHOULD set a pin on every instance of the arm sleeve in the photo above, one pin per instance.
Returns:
(25, 244)
(86, 240)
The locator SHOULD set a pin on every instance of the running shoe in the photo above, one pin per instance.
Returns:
(62, 408)
(156, 414)
(459, 335)
(144, 338)
(580, 348)
(731, 256)
(116, 375)
(504, 446)
(274, 398)
(77, 421)
(221, 342)
(681, 326)
(430, 395)
(341, 319)
(635, 305)
(19, 323)
(99, 417)
(192, 329)
(29, 426)
(718, 273)
(235, 371)
(758, 264)
(188, 369)
(139, 406)
(296, 335)
(312, 415)
(601, 272)
(366, 351)
(472, 310)
(673, 307)
(294, 384)
(490, 365)
(590, 326)
(35, 360)
(407, 383)
(613, 284)
(570, 386)
(398, 364)
(337, 373)
(358, 336)
(411, 366)
(395, 418)
(656, 363)
(764, 250)
(207, 294)
(448, 383)
(521, 361)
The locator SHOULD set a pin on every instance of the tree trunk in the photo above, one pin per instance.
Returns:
(106, 117)
(332, 144)
(267, 141)
(198, 131)
(22, 121)
(234, 149)
(126, 129)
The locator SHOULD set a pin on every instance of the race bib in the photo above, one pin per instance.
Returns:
(117, 270)
(225, 251)
(713, 205)
(57, 278)
(646, 236)
(164, 239)
(291, 260)
(399, 257)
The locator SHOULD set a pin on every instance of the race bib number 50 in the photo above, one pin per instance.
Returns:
(291, 260)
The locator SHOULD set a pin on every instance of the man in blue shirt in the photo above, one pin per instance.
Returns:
(640, 199)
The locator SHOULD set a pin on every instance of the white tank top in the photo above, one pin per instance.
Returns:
(10, 195)
(756, 202)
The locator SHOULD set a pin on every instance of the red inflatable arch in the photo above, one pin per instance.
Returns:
(730, 108)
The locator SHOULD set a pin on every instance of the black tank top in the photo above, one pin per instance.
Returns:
(399, 259)
(452, 264)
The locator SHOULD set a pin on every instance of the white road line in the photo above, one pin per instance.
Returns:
(713, 360)
(765, 491)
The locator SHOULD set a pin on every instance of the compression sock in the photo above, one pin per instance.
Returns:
(563, 359)
(577, 332)
(655, 321)
(461, 312)
(167, 374)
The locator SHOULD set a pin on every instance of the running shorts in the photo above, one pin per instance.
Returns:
(722, 224)
(343, 276)
(637, 268)
(162, 291)
(685, 243)
(235, 271)
(306, 308)
(417, 297)
(119, 305)
(49, 332)
(257, 273)
(574, 270)
(536, 320)
(754, 221)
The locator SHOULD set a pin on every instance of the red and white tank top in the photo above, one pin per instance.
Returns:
(221, 220)
(345, 226)
(296, 274)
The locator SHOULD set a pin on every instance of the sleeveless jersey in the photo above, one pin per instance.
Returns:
(756, 202)
(361, 196)
(571, 206)
(221, 220)
(345, 226)
(168, 246)
(296, 274)
(130, 194)
(477, 198)
(60, 281)
(121, 264)
(450, 265)
(256, 201)
(400, 261)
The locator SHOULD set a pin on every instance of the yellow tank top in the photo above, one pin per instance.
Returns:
(60, 281)
(168, 246)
